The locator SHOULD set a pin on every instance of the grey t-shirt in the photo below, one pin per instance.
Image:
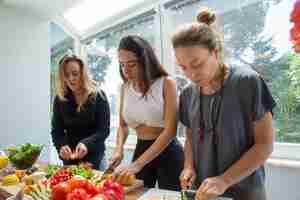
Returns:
(243, 99)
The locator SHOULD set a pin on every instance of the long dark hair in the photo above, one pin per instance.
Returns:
(150, 68)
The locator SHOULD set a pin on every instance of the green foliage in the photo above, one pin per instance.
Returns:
(25, 155)
(98, 66)
(286, 89)
(246, 44)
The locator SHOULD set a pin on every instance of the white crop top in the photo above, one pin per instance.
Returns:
(148, 111)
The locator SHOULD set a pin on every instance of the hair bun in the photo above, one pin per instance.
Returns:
(206, 15)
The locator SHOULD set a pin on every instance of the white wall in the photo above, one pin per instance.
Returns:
(24, 78)
(282, 181)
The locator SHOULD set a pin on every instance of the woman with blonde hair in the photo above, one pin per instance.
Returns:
(81, 115)
(227, 112)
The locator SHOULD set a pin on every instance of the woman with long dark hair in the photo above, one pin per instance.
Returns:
(149, 106)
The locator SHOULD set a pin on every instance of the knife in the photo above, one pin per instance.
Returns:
(188, 194)
(109, 170)
(191, 194)
(20, 195)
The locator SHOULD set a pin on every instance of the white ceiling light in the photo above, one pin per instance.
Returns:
(89, 12)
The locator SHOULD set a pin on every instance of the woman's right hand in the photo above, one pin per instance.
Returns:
(65, 152)
(116, 158)
(187, 178)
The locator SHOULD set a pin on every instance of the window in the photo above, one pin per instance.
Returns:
(89, 12)
(61, 43)
(103, 61)
(252, 39)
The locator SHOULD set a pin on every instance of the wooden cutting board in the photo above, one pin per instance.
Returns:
(159, 194)
(4, 194)
(137, 185)
(7, 191)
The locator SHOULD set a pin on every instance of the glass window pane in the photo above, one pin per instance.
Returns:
(103, 60)
(61, 43)
(252, 39)
(89, 12)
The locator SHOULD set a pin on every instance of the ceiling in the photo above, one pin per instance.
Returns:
(76, 17)
(42, 8)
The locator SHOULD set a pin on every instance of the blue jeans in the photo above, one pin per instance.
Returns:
(103, 164)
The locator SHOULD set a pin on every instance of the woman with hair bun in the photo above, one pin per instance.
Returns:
(227, 112)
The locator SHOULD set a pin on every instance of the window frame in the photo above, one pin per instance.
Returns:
(282, 150)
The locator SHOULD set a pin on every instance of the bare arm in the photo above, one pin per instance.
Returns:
(121, 135)
(169, 131)
(257, 155)
(188, 151)
(188, 175)
(123, 128)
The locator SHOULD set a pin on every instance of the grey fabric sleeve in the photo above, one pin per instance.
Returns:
(256, 96)
(183, 108)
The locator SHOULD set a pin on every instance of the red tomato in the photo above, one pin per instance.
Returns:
(113, 190)
(60, 176)
(60, 191)
(77, 182)
(109, 184)
(78, 194)
(113, 195)
(91, 189)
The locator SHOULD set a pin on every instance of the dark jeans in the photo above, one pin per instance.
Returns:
(255, 193)
(165, 169)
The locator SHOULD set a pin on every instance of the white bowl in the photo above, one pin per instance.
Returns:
(26, 197)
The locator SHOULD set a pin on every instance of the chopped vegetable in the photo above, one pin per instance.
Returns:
(24, 156)
(10, 180)
(82, 170)
(60, 176)
(3, 161)
(51, 169)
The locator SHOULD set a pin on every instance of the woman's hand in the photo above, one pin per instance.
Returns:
(116, 159)
(127, 170)
(211, 188)
(80, 151)
(65, 152)
(187, 178)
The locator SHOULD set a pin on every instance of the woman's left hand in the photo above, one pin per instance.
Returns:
(127, 170)
(81, 151)
(211, 188)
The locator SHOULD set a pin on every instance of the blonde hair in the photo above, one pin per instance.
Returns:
(201, 33)
(88, 85)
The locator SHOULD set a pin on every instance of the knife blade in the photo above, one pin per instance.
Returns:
(188, 194)
(106, 172)
(20, 195)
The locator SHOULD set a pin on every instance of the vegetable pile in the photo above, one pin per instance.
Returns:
(24, 156)
(74, 183)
